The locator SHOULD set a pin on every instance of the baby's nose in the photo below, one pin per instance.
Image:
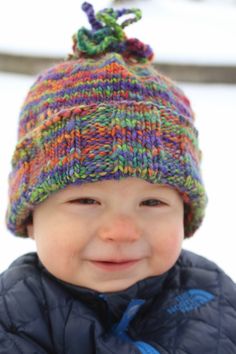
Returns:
(120, 229)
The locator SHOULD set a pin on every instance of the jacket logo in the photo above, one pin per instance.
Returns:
(189, 301)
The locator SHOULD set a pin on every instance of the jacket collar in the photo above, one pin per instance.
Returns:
(115, 302)
(145, 289)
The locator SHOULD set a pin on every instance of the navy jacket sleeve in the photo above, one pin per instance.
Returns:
(18, 334)
(13, 344)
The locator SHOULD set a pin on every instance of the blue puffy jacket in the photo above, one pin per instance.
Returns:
(189, 310)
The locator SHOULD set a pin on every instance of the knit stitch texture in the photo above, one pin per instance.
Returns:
(101, 116)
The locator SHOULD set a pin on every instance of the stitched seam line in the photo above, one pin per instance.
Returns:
(46, 311)
(12, 341)
(220, 310)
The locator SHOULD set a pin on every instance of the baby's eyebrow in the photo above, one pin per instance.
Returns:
(94, 189)
(158, 187)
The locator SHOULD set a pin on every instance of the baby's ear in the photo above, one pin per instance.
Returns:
(30, 226)
(30, 230)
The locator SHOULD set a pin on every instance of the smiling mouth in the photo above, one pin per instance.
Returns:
(115, 265)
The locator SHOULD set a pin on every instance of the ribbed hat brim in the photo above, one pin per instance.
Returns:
(106, 141)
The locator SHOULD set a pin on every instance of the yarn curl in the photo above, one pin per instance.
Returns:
(107, 35)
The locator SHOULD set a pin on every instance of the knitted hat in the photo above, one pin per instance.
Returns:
(104, 113)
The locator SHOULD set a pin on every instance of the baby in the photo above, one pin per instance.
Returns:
(106, 179)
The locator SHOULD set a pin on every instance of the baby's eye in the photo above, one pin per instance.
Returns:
(153, 202)
(86, 201)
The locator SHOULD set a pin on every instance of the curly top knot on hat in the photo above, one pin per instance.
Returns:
(104, 113)
(109, 37)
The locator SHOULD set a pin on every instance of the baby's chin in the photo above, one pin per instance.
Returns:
(113, 286)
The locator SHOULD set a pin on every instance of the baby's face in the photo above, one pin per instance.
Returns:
(108, 235)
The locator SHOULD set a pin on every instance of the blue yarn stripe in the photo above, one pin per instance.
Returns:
(145, 348)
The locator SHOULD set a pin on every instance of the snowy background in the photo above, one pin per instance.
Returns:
(178, 31)
(196, 31)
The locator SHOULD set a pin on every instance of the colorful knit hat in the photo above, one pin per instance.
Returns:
(104, 113)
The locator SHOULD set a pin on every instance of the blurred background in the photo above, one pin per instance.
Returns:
(194, 43)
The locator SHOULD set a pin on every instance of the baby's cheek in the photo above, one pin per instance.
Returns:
(52, 251)
(173, 246)
(166, 250)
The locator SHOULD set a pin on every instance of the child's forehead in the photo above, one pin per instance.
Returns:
(112, 185)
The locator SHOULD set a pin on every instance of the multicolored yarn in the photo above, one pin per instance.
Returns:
(104, 117)
(109, 37)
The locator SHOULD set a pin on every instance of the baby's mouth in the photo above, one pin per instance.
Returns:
(115, 265)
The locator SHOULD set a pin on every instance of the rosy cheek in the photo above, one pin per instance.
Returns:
(173, 247)
(167, 245)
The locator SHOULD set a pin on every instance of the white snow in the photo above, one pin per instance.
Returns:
(12, 91)
(215, 108)
(200, 31)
